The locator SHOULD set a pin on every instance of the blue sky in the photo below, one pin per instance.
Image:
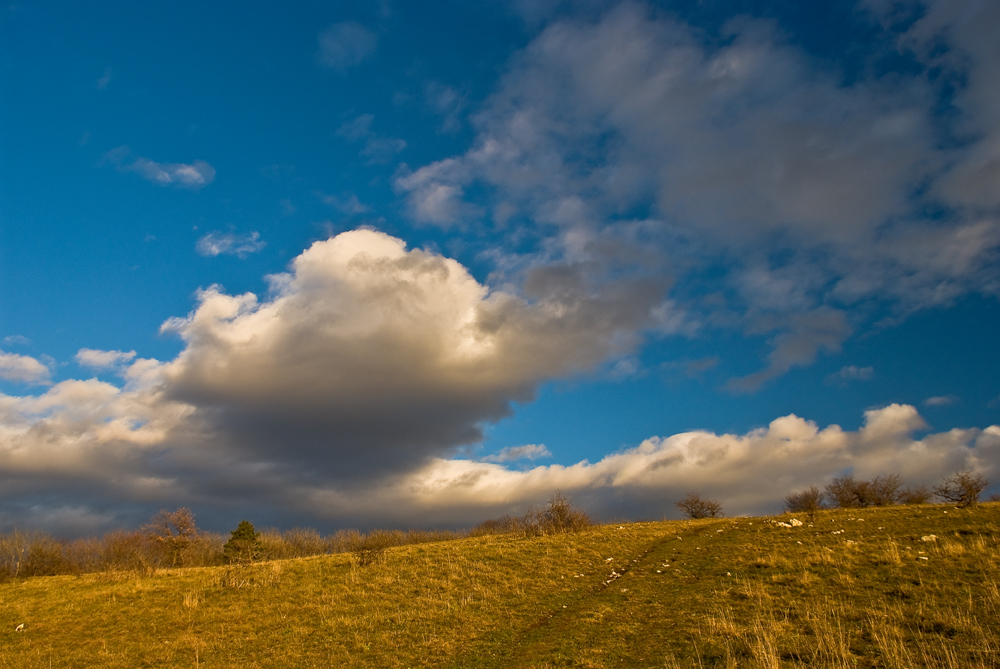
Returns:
(400, 264)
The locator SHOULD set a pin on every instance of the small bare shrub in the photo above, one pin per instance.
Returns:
(962, 488)
(916, 494)
(694, 506)
(807, 501)
(560, 516)
(303, 542)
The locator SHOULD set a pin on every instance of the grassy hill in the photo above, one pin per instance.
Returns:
(856, 588)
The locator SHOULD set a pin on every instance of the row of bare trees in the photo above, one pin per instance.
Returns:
(172, 539)
(962, 488)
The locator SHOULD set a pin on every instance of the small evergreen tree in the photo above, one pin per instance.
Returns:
(243, 545)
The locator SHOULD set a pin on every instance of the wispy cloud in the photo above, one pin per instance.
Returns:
(229, 243)
(849, 373)
(515, 453)
(346, 44)
(448, 103)
(347, 203)
(941, 401)
(17, 340)
(23, 369)
(377, 148)
(182, 175)
(105, 79)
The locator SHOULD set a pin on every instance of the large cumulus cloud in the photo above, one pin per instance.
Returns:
(370, 357)
(365, 361)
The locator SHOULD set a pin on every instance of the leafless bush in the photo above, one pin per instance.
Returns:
(126, 552)
(962, 488)
(915, 494)
(847, 492)
(558, 517)
(304, 542)
(694, 506)
(884, 490)
(342, 541)
(807, 501)
(24, 554)
(371, 548)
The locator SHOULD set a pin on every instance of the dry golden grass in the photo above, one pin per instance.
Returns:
(855, 589)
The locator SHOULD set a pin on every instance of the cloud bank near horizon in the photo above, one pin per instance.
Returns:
(352, 392)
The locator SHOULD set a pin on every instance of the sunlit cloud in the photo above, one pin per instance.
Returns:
(182, 175)
(23, 369)
(98, 359)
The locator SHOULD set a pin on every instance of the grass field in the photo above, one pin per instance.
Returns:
(856, 588)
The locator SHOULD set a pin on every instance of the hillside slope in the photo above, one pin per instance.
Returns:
(856, 588)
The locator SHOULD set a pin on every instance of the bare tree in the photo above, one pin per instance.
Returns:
(883, 490)
(845, 492)
(807, 501)
(848, 492)
(693, 506)
(175, 531)
(963, 488)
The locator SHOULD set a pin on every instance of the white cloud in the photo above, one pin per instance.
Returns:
(17, 340)
(941, 401)
(229, 243)
(98, 359)
(515, 453)
(182, 175)
(23, 369)
(346, 44)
